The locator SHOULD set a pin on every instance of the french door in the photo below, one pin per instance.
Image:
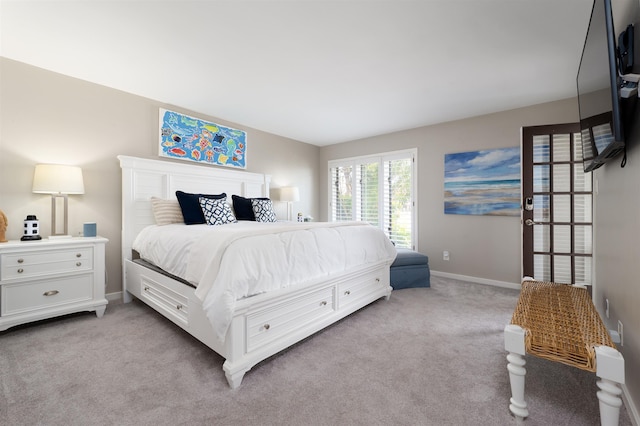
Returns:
(557, 205)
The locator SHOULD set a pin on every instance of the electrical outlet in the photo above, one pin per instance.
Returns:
(606, 307)
(620, 330)
(445, 255)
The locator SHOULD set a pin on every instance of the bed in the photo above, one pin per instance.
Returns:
(209, 300)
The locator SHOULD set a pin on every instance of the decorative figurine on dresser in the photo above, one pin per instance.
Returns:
(31, 231)
(46, 278)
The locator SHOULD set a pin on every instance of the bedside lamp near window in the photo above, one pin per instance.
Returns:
(59, 181)
(289, 194)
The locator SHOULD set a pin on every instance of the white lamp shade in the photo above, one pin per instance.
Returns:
(57, 179)
(289, 193)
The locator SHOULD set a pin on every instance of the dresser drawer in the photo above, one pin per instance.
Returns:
(28, 297)
(46, 262)
(269, 324)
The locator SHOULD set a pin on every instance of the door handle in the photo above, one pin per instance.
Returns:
(530, 222)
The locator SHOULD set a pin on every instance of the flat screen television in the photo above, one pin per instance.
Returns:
(606, 99)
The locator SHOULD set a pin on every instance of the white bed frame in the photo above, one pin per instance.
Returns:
(262, 325)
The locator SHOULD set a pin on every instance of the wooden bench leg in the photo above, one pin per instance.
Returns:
(514, 344)
(610, 369)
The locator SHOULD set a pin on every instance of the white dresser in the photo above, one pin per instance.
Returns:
(46, 278)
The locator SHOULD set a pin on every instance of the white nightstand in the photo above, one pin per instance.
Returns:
(47, 278)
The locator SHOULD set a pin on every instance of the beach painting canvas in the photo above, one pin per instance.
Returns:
(483, 182)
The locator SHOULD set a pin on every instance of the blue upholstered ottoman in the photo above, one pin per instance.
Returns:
(410, 269)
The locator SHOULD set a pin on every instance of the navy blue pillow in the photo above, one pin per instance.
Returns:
(243, 208)
(190, 206)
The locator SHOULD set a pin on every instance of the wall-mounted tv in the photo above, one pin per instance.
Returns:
(605, 98)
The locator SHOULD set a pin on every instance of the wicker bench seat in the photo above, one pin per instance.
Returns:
(559, 322)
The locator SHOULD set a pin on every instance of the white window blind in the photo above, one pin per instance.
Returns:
(367, 200)
(563, 205)
(397, 201)
(379, 190)
(341, 194)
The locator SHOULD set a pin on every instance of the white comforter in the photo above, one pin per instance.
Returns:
(233, 261)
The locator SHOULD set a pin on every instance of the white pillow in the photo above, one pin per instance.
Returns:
(263, 210)
(166, 212)
(216, 211)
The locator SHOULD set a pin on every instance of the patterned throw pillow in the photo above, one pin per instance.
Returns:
(166, 212)
(190, 205)
(217, 211)
(263, 210)
(242, 207)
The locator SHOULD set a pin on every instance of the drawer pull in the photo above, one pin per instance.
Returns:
(78, 263)
(267, 326)
(377, 280)
(50, 293)
(146, 289)
(20, 260)
(20, 270)
(348, 292)
(178, 307)
(323, 303)
(78, 254)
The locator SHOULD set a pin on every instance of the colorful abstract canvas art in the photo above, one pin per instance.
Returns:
(193, 139)
(482, 182)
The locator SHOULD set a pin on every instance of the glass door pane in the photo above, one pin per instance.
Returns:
(542, 267)
(562, 269)
(541, 149)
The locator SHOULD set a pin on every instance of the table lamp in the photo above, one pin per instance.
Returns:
(59, 181)
(289, 194)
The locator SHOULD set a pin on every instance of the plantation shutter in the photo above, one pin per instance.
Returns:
(376, 189)
(397, 201)
(366, 205)
(341, 193)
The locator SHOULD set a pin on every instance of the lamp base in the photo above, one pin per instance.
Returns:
(31, 238)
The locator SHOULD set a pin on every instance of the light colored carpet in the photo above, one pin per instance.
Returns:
(425, 357)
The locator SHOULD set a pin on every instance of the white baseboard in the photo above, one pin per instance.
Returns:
(477, 280)
(632, 409)
(628, 402)
(114, 298)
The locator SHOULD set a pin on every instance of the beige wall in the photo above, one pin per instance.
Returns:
(617, 252)
(480, 246)
(50, 118)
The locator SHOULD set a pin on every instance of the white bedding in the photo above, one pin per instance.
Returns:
(238, 260)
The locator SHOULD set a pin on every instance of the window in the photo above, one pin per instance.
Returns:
(377, 189)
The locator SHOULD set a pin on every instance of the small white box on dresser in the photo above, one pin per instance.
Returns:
(47, 278)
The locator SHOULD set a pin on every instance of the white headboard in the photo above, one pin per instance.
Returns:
(143, 178)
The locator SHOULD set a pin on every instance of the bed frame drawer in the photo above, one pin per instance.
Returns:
(271, 323)
(355, 291)
(165, 299)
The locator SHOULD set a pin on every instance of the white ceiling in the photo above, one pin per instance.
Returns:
(320, 72)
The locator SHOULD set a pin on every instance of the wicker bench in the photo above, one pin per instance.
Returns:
(559, 322)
